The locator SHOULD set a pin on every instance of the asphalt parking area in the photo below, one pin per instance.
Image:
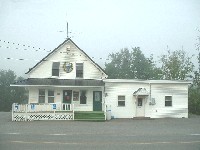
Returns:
(115, 134)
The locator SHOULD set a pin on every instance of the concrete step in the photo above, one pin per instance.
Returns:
(142, 118)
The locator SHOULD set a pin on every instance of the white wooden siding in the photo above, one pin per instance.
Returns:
(44, 70)
(179, 93)
(58, 96)
(33, 95)
(112, 91)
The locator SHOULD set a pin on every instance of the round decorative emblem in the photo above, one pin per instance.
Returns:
(68, 67)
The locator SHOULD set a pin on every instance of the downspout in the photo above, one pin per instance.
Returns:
(150, 91)
(150, 98)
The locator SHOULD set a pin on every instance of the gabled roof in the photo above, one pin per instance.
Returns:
(68, 39)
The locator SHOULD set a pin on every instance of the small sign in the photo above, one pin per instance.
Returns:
(16, 107)
(54, 106)
(32, 106)
(68, 67)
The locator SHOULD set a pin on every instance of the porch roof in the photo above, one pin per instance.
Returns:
(59, 82)
(141, 92)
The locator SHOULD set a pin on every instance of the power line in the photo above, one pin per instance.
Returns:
(25, 59)
(23, 45)
(28, 47)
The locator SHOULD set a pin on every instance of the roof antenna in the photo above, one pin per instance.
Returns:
(67, 31)
(67, 27)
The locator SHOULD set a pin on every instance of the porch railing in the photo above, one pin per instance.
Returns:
(41, 107)
(52, 111)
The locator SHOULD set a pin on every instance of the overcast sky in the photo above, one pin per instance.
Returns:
(99, 27)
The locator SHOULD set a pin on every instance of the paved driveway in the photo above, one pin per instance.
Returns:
(118, 134)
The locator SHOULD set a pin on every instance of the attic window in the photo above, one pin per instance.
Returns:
(55, 68)
(68, 48)
(79, 70)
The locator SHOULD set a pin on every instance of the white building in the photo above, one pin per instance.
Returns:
(68, 75)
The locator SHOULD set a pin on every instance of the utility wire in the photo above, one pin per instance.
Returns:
(28, 47)
(23, 45)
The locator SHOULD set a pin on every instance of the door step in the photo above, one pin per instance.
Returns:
(142, 118)
(89, 116)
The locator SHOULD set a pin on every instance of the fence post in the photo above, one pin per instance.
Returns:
(73, 111)
(26, 105)
(54, 116)
(105, 110)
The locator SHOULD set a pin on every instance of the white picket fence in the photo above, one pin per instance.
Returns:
(53, 111)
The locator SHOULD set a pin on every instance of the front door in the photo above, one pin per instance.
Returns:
(140, 107)
(97, 100)
(67, 96)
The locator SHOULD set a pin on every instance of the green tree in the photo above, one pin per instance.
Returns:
(176, 65)
(194, 90)
(194, 100)
(8, 94)
(131, 65)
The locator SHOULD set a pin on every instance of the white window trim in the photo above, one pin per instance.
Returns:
(78, 96)
(58, 71)
(169, 100)
(121, 100)
(83, 70)
(80, 99)
(41, 95)
(50, 96)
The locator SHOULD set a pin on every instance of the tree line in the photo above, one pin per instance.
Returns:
(8, 94)
(132, 64)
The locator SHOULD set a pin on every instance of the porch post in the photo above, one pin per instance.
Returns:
(26, 106)
(105, 110)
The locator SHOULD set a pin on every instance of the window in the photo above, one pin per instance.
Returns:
(139, 102)
(168, 100)
(75, 95)
(121, 100)
(41, 96)
(50, 96)
(55, 68)
(83, 98)
(79, 70)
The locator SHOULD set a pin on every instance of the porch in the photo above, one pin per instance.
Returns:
(53, 111)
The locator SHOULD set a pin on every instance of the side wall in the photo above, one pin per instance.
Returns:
(179, 93)
(113, 90)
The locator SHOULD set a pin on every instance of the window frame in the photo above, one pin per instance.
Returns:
(168, 100)
(76, 96)
(51, 96)
(79, 72)
(140, 102)
(121, 100)
(81, 100)
(41, 95)
(55, 69)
